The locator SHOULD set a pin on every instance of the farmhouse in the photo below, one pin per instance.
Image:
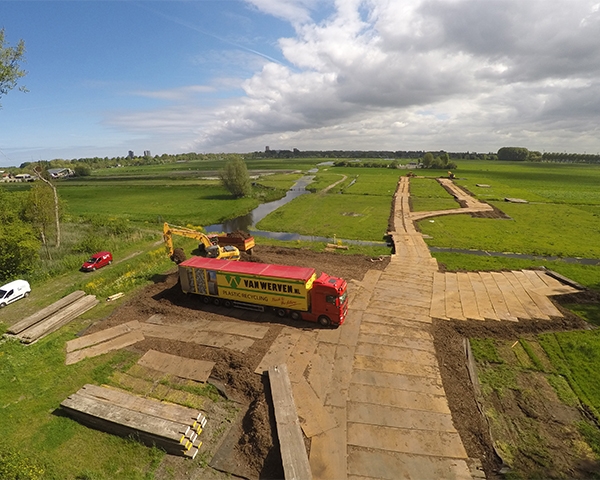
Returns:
(61, 172)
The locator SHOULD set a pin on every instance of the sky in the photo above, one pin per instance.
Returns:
(105, 77)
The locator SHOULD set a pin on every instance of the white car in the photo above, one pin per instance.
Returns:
(13, 291)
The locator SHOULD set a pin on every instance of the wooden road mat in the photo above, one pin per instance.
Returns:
(102, 336)
(198, 370)
(116, 343)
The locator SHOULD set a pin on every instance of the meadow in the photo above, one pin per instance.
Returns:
(124, 208)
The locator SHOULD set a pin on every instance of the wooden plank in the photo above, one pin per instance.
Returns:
(548, 280)
(513, 304)
(328, 451)
(484, 304)
(337, 391)
(45, 312)
(293, 452)
(393, 329)
(160, 427)
(419, 442)
(529, 305)
(452, 299)
(393, 397)
(102, 336)
(468, 300)
(396, 353)
(320, 369)
(198, 370)
(301, 355)
(314, 419)
(280, 349)
(496, 297)
(114, 344)
(406, 367)
(57, 320)
(530, 282)
(386, 465)
(238, 328)
(534, 278)
(148, 406)
(210, 339)
(438, 302)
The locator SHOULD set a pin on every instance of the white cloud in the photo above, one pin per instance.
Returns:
(397, 74)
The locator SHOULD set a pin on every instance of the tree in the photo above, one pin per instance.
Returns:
(10, 71)
(82, 170)
(235, 178)
(427, 160)
(39, 211)
(19, 246)
(513, 153)
(38, 172)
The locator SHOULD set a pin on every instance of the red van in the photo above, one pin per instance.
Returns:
(97, 261)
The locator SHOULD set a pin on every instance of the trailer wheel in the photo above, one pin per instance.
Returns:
(217, 301)
(324, 320)
(296, 316)
(228, 303)
(206, 299)
(280, 312)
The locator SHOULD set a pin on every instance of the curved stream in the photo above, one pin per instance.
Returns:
(247, 222)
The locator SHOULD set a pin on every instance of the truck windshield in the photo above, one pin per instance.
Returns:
(2, 293)
(343, 297)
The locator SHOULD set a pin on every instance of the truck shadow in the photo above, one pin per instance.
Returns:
(176, 297)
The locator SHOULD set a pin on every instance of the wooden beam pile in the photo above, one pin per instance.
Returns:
(173, 428)
(51, 318)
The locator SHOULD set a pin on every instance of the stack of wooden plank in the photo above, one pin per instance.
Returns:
(53, 317)
(173, 428)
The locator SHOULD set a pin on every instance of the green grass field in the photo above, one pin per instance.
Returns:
(562, 219)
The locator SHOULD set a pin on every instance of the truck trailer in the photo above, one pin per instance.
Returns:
(288, 290)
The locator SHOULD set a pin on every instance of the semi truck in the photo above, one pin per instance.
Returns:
(286, 290)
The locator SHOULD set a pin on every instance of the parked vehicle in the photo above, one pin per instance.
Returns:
(96, 261)
(288, 290)
(13, 291)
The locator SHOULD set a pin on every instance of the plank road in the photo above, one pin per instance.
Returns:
(280, 349)
(101, 348)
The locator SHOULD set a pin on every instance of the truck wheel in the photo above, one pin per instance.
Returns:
(217, 301)
(206, 299)
(228, 303)
(2, 305)
(324, 320)
(281, 312)
(296, 316)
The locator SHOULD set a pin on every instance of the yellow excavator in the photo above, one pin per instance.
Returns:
(206, 247)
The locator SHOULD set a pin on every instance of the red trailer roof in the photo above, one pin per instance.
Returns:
(251, 268)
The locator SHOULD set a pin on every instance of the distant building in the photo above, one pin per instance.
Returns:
(130, 154)
(147, 153)
(61, 172)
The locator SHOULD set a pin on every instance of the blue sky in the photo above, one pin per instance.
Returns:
(105, 77)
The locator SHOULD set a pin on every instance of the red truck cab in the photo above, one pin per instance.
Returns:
(328, 301)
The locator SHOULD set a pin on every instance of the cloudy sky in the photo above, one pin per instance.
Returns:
(105, 77)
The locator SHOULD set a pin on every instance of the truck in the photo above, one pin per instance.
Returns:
(243, 242)
(286, 290)
(206, 245)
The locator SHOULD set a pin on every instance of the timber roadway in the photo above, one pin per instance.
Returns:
(392, 415)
